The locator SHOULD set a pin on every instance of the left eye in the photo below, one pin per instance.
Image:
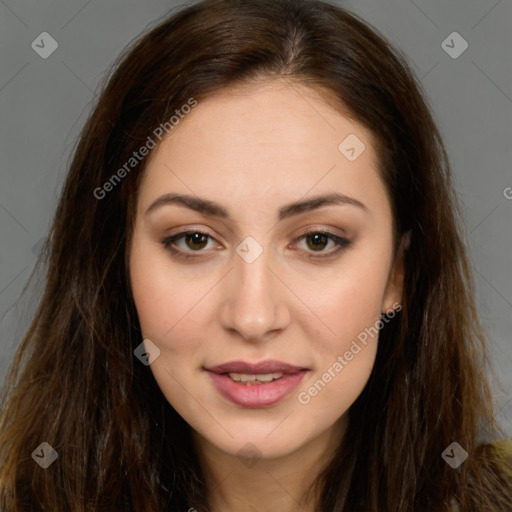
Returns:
(318, 240)
(195, 241)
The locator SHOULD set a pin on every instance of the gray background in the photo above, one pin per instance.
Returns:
(44, 102)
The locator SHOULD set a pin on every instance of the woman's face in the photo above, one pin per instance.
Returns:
(254, 286)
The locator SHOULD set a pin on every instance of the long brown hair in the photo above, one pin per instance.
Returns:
(74, 382)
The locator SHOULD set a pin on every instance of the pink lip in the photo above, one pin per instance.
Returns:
(268, 366)
(256, 395)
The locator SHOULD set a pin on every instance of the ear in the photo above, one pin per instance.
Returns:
(394, 287)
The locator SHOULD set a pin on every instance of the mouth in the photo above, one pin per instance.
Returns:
(267, 367)
(253, 379)
(256, 385)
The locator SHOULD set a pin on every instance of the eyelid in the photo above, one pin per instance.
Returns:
(325, 230)
(341, 243)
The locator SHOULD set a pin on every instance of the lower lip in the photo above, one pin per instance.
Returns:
(256, 395)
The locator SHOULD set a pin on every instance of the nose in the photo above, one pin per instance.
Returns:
(254, 305)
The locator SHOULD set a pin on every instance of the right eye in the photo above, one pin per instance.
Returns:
(195, 240)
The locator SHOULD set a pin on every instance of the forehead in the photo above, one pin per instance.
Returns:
(268, 140)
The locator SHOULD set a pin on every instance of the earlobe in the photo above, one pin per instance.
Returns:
(394, 288)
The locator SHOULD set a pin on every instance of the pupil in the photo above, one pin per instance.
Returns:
(196, 238)
(318, 237)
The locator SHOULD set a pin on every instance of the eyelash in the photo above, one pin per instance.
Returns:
(342, 243)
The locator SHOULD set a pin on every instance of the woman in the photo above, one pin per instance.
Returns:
(257, 294)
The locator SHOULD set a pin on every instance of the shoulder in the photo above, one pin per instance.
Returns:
(500, 452)
(496, 470)
(503, 446)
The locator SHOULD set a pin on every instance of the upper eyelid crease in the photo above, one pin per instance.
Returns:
(212, 209)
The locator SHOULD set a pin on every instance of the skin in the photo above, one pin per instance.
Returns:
(254, 149)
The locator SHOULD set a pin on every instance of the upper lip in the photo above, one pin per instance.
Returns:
(268, 366)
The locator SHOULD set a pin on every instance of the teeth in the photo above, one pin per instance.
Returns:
(250, 379)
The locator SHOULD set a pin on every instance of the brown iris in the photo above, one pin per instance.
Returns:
(199, 240)
(318, 238)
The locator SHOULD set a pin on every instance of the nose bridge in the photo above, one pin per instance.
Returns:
(253, 304)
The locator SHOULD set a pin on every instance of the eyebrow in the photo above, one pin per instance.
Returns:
(212, 209)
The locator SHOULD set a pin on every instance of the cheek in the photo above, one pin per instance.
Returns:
(332, 391)
(345, 352)
(170, 309)
(347, 338)
(345, 303)
(169, 303)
